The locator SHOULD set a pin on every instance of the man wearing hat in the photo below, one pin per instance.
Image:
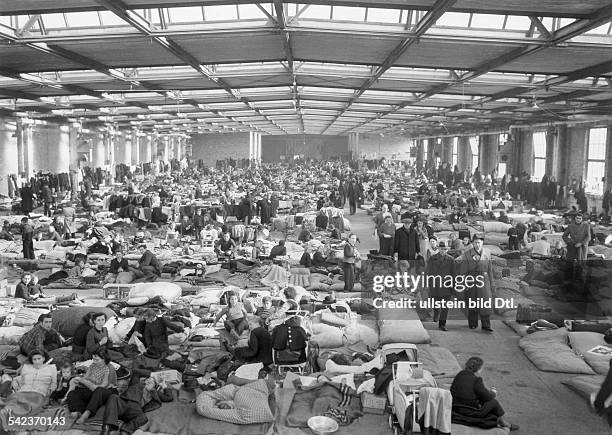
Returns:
(577, 237)
(476, 262)
(442, 265)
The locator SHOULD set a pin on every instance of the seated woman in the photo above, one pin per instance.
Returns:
(100, 374)
(236, 320)
(79, 267)
(97, 337)
(266, 310)
(473, 403)
(33, 386)
(306, 259)
(79, 339)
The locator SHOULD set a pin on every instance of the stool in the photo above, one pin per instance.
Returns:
(119, 291)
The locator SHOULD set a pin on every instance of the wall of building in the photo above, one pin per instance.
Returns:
(375, 146)
(319, 147)
(219, 146)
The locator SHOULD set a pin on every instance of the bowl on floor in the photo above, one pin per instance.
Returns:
(321, 425)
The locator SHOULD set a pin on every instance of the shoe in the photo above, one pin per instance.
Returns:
(487, 329)
(473, 327)
(513, 427)
(106, 430)
(442, 328)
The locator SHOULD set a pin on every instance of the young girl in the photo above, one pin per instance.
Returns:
(63, 382)
(236, 321)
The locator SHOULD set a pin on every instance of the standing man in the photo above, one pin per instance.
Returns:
(351, 256)
(47, 198)
(27, 199)
(353, 195)
(440, 264)
(264, 208)
(27, 237)
(406, 242)
(476, 262)
(577, 237)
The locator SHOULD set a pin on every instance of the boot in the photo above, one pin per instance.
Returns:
(106, 430)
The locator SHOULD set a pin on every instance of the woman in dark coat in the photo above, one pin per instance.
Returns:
(473, 403)
(265, 210)
(27, 199)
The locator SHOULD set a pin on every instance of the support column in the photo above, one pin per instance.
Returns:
(446, 153)
(98, 159)
(110, 153)
(24, 147)
(166, 149)
(135, 158)
(9, 157)
(144, 152)
(488, 153)
(353, 145)
(255, 146)
(420, 154)
(464, 153)
(74, 163)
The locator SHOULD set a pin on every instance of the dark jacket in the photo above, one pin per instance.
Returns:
(289, 337)
(139, 326)
(22, 291)
(306, 261)
(115, 265)
(406, 243)
(468, 389)
(134, 394)
(277, 251)
(259, 349)
(80, 339)
(440, 265)
(156, 334)
(321, 221)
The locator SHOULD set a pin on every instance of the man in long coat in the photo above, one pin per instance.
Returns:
(441, 265)
(476, 262)
(353, 195)
(264, 208)
(406, 242)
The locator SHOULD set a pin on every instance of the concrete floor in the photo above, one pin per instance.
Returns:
(535, 400)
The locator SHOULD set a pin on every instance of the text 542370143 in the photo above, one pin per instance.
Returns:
(30, 421)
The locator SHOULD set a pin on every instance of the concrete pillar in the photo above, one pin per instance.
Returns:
(489, 145)
(166, 149)
(135, 158)
(74, 161)
(561, 155)
(24, 147)
(446, 151)
(464, 154)
(144, 149)
(9, 157)
(98, 158)
(110, 152)
(255, 146)
(353, 145)
(420, 154)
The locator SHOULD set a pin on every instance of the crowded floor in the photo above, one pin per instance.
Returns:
(416, 243)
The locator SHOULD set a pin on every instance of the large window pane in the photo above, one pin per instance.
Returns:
(347, 13)
(487, 21)
(453, 19)
(220, 13)
(83, 19)
(539, 144)
(384, 15)
(595, 173)
(455, 151)
(597, 143)
(185, 15)
(318, 12)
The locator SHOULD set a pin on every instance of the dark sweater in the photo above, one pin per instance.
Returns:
(259, 349)
(156, 334)
(80, 339)
(468, 389)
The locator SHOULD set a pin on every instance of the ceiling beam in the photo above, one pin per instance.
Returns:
(419, 30)
(561, 35)
(544, 33)
(281, 21)
(119, 8)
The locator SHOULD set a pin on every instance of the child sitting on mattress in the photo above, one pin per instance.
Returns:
(63, 382)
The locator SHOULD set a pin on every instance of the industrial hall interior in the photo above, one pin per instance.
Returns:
(326, 217)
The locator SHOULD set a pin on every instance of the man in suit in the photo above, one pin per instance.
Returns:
(406, 242)
(441, 265)
(476, 262)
